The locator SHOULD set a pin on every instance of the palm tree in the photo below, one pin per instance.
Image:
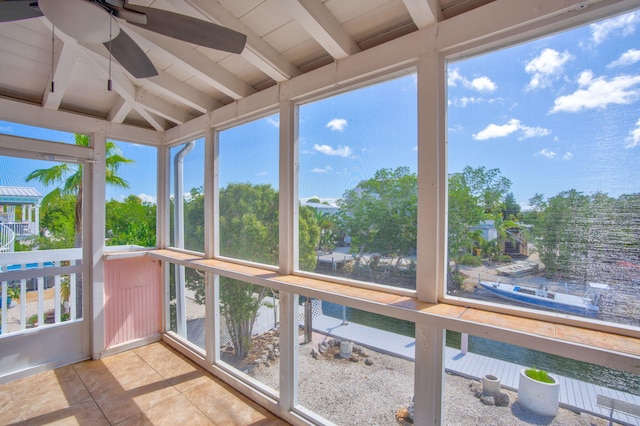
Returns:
(68, 178)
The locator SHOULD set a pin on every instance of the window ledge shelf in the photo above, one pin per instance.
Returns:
(605, 348)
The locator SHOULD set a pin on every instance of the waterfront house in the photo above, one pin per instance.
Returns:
(297, 52)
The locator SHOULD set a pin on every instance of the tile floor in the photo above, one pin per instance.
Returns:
(151, 385)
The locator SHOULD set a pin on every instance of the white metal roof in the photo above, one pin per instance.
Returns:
(19, 195)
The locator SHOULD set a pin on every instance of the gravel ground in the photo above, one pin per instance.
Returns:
(350, 392)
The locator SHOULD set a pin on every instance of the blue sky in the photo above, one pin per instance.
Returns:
(557, 113)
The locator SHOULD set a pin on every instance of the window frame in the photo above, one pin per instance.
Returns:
(429, 307)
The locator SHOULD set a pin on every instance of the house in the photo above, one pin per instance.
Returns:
(27, 225)
(68, 78)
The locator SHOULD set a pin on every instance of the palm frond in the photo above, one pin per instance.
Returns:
(50, 176)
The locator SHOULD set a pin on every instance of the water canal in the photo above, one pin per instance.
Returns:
(586, 372)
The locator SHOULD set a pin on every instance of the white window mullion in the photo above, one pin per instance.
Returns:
(429, 371)
(288, 255)
(289, 356)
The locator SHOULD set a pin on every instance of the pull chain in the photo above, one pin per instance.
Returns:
(109, 84)
(53, 50)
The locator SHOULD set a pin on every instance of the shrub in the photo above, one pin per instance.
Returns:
(539, 375)
(470, 260)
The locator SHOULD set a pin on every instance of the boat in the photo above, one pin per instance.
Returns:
(543, 297)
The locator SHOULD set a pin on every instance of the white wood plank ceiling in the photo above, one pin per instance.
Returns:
(285, 38)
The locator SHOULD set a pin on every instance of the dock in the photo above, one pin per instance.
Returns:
(575, 395)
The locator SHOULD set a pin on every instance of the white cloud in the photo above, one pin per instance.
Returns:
(533, 132)
(622, 25)
(341, 151)
(464, 101)
(273, 122)
(481, 84)
(148, 198)
(551, 155)
(454, 77)
(338, 124)
(324, 170)
(263, 173)
(599, 93)
(634, 138)
(545, 67)
(629, 57)
(544, 152)
(496, 131)
(514, 125)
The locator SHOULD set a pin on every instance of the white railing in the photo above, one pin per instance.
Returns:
(7, 238)
(39, 280)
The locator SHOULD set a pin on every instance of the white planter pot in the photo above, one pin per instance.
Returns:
(490, 385)
(541, 398)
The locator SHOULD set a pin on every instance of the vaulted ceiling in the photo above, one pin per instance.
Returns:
(285, 38)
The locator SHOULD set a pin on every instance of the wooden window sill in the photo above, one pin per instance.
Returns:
(577, 342)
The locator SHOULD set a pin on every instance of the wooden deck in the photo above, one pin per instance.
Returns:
(574, 395)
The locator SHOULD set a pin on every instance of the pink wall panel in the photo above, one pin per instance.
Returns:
(133, 299)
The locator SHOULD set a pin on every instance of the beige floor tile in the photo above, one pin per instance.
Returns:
(153, 385)
(175, 411)
(171, 365)
(35, 396)
(134, 397)
(112, 372)
(225, 406)
(84, 413)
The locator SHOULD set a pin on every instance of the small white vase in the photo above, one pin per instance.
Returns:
(490, 385)
(541, 398)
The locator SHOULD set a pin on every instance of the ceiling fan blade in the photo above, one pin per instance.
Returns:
(192, 30)
(15, 10)
(131, 56)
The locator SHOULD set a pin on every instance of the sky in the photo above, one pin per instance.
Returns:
(557, 113)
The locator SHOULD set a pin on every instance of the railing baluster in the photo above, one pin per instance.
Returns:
(23, 302)
(40, 300)
(56, 296)
(72, 293)
(4, 306)
(26, 268)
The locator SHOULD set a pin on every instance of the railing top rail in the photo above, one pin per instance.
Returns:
(40, 256)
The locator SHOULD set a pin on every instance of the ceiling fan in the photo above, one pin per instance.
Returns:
(94, 22)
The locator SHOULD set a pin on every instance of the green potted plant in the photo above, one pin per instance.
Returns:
(539, 391)
(13, 293)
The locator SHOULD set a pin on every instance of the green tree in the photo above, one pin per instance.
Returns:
(579, 236)
(308, 238)
(511, 208)
(464, 213)
(328, 224)
(57, 223)
(474, 195)
(488, 187)
(132, 221)
(248, 231)
(194, 220)
(249, 222)
(68, 179)
(380, 214)
(561, 234)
